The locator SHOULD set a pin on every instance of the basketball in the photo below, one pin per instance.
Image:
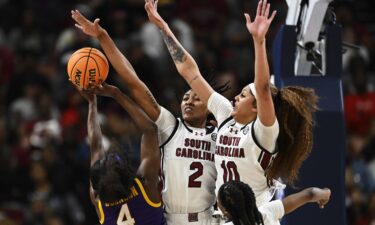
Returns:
(87, 67)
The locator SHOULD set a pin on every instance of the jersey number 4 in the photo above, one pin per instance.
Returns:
(193, 183)
(230, 171)
(124, 217)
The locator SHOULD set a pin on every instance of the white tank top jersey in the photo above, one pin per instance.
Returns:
(243, 151)
(272, 212)
(188, 168)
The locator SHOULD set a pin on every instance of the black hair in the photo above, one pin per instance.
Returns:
(112, 176)
(211, 80)
(219, 88)
(239, 200)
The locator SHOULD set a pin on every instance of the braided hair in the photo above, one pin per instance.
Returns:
(239, 200)
(112, 176)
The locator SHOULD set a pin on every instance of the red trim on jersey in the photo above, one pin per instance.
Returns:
(265, 159)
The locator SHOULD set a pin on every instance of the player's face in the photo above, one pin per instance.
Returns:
(244, 106)
(194, 111)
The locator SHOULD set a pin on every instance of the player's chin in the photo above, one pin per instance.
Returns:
(234, 112)
(189, 117)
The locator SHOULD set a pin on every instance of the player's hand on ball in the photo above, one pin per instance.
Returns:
(104, 89)
(88, 95)
(90, 28)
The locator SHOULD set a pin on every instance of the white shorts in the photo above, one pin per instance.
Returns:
(200, 218)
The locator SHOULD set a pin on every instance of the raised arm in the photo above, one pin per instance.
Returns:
(186, 65)
(139, 90)
(94, 131)
(258, 29)
(150, 152)
(94, 134)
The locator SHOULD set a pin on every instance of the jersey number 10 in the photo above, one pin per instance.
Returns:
(230, 171)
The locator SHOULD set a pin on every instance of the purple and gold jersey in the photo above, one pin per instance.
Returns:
(137, 209)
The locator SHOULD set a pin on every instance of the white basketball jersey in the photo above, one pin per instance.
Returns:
(238, 155)
(188, 168)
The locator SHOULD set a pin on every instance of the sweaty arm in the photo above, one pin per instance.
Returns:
(313, 194)
(94, 132)
(258, 28)
(185, 64)
(150, 153)
(95, 137)
(139, 91)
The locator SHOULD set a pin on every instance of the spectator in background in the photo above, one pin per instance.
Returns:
(359, 102)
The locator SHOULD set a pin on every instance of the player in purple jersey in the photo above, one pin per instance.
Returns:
(237, 201)
(187, 143)
(122, 196)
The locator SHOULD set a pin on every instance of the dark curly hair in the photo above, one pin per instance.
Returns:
(294, 107)
(239, 200)
(112, 176)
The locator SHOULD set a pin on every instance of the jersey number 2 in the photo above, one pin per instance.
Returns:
(192, 178)
(124, 217)
(230, 171)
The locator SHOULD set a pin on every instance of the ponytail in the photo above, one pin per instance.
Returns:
(294, 107)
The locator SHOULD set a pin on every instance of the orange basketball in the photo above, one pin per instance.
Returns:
(87, 67)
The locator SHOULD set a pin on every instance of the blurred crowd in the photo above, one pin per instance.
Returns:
(44, 154)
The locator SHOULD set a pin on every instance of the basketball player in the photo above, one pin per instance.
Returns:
(120, 195)
(187, 144)
(236, 200)
(251, 146)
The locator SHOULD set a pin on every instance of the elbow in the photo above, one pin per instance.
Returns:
(190, 67)
(151, 128)
(263, 89)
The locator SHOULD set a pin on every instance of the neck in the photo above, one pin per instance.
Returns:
(196, 123)
(245, 120)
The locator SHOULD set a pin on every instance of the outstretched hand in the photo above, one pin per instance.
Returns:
(151, 7)
(259, 27)
(90, 28)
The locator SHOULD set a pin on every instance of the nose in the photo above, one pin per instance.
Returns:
(189, 101)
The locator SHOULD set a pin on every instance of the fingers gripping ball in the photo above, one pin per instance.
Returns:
(87, 67)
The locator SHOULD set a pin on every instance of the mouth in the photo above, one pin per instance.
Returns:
(234, 104)
(188, 109)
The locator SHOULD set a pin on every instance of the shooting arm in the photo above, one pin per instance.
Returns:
(94, 132)
(150, 153)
